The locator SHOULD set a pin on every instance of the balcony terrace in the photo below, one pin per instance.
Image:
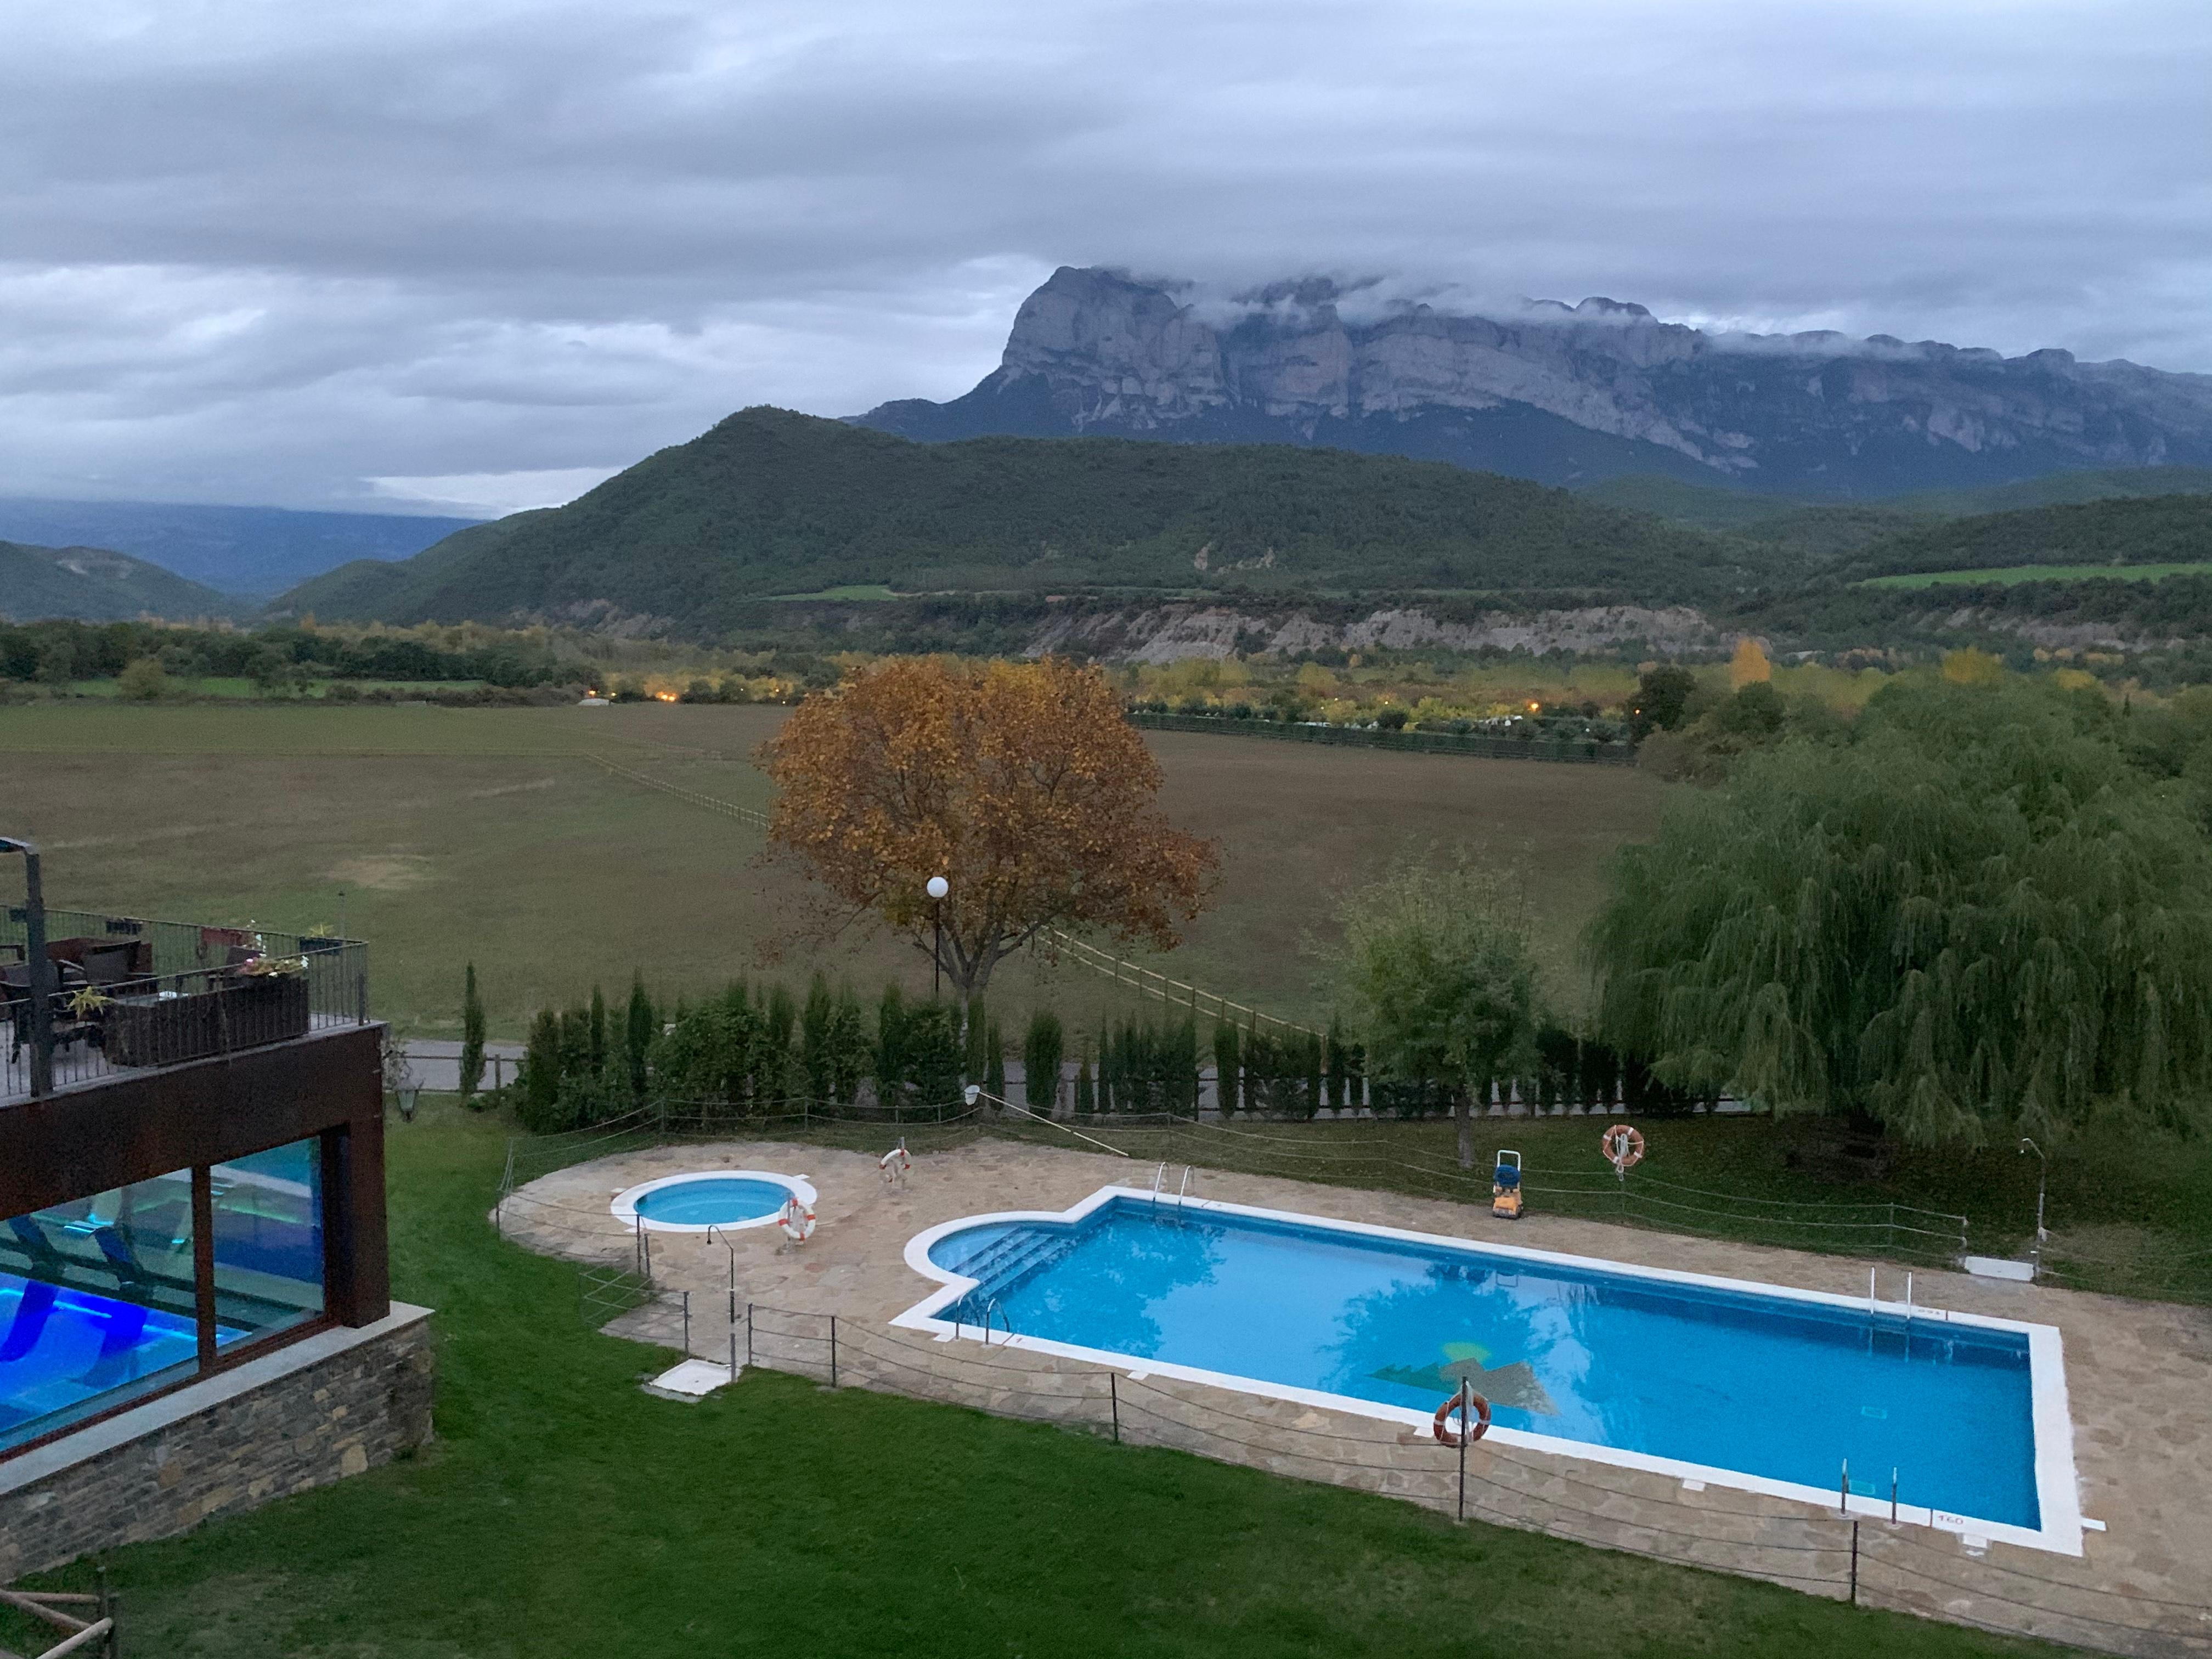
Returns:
(132, 996)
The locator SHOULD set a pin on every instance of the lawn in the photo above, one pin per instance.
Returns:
(485, 835)
(564, 1512)
(2011, 573)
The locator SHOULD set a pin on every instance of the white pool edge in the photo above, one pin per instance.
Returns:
(2058, 1492)
(624, 1203)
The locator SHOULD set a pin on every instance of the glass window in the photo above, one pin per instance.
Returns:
(268, 1232)
(97, 1304)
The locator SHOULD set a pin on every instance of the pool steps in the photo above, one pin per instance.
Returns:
(1004, 1265)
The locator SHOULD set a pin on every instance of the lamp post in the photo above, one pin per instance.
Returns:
(936, 889)
(2042, 1181)
(40, 971)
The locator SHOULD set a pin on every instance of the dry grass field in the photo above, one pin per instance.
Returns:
(491, 835)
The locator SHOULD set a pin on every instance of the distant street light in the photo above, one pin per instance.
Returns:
(2042, 1180)
(937, 887)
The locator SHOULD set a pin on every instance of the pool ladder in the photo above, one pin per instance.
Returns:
(991, 1312)
(1182, 1188)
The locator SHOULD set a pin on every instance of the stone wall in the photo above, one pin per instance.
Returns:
(314, 1411)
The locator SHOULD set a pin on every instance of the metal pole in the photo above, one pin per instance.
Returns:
(40, 970)
(2042, 1181)
(1855, 1564)
(1844, 1494)
(1893, 1498)
(748, 1332)
(833, 1351)
(937, 950)
(687, 1324)
(1113, 1395)
(1465, 1423)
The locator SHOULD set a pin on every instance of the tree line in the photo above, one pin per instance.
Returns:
(757, 1049)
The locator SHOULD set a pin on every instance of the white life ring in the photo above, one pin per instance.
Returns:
(796, 1220)
(1624, 1147)
(895, 1163)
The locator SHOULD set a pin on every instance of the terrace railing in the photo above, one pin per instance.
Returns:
(163, 993)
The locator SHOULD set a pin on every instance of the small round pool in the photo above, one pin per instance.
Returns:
(710, 1198)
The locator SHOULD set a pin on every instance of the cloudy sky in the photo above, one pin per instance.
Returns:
(475, 254)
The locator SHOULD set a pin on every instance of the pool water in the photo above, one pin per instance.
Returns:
(1727, 1379)
(711, 1200)
(64, 1351)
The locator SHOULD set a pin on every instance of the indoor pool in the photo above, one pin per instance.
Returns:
(1765, 1387)
(711, 1198)
(64, 1351)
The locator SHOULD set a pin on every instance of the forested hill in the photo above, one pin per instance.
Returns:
(93, 584)
(772, 503)
(2153, 530)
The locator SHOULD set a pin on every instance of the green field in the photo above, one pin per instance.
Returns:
(489, 836)
(2010, 575)
(869, 591)
(562, 1512)
(234, 688)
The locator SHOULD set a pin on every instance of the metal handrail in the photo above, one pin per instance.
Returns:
(991, 1311)
(718, 1235)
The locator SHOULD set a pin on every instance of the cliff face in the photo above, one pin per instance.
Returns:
(1564, 394)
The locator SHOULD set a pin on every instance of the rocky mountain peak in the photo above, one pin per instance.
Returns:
(1558, 393)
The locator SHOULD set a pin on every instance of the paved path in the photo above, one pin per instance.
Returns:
(2139, 1374)
(436, 1066)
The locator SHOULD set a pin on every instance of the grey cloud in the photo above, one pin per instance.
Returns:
(258, 253)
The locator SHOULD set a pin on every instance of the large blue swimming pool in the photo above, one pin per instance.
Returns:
(1726, 1378)
(64, 1352)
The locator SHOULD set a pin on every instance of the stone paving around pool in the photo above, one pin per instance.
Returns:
(2139, 1378)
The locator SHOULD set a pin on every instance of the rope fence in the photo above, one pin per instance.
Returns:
(1896, 1231)
(1900, 1565)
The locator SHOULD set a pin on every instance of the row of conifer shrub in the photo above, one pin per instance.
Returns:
(757, 1049)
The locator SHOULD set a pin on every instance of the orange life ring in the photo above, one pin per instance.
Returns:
(796, 1220)
(1623, 1145)
(1442, 1426)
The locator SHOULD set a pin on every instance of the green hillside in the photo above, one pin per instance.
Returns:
(90, 584)
(1824, 531)
(2009, 575)
(2146, 531)
(771, 503)
(2061, 490)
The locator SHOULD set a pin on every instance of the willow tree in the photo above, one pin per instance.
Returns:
(1022, 784)
(1441, 982)
(1973, 918)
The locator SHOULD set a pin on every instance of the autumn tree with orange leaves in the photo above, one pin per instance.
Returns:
(1020, 783)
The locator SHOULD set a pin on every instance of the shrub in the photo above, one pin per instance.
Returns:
(143, 681)
(994, 1065)
(1227, 1067)
(1044, 1047)
(472, 1035)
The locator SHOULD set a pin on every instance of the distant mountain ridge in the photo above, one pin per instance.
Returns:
(1561, 394)
(91, 583)
(250, 550)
